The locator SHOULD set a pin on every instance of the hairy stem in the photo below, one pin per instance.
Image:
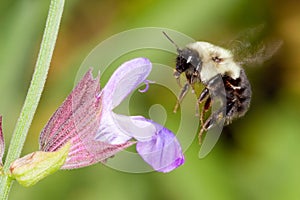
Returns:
(34, 91)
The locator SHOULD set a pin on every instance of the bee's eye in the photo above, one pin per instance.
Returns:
(217, 59)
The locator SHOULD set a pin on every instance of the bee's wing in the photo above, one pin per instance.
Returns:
(251, 48)
(256, 53)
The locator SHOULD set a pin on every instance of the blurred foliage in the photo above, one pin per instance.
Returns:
(255, 158)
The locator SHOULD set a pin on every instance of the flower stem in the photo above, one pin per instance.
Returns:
(34, 91)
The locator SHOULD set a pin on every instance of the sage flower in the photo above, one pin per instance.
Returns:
(156, 144)
(95, 132)
(84, 130)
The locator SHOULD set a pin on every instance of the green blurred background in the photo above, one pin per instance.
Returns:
(256, 157)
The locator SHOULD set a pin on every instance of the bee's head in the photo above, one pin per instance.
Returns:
(187, 61)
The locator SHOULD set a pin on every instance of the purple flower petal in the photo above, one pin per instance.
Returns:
(2, 144)
(124, 80)
(77, 120)
(163, 151)
(109, 131)
(156, 145)
(136, 126)
(118, 129)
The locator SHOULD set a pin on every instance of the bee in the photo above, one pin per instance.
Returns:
(220, 71)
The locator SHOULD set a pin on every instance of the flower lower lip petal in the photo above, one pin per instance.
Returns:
(137, 127)
(109, 130)
(162, 152)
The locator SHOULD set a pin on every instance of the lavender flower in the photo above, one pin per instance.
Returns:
(155, 144)
(84, 130)
(96, 133)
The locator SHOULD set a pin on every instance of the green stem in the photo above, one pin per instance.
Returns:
(34, 91)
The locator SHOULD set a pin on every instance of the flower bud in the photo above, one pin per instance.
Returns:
(33, 167)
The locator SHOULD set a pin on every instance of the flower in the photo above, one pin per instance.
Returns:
(96, 133)
(84, 130)
(156, 145)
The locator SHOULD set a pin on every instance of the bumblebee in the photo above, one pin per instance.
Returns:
(223, 77)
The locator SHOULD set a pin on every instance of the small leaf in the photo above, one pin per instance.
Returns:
(34, 167)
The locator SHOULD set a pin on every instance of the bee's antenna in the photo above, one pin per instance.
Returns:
(177, 47)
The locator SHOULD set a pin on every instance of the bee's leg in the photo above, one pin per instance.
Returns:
(176, 74)
(211, 121)
(181, 96)
(205, 108)
(203, 95)
(217, 93)
(205, 127)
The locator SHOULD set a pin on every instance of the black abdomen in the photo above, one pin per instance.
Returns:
(238, 96)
